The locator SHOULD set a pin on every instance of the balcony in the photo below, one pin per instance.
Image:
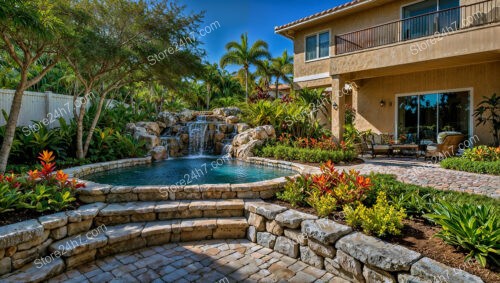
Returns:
(436, 23)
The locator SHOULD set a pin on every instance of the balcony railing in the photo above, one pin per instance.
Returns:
(437, 23)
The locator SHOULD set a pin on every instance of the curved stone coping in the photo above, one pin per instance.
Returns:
(354, 256)
(95, 192)
(38, 249)
(42, 248)
(80, 171)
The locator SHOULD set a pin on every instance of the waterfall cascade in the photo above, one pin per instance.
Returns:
(205, 135)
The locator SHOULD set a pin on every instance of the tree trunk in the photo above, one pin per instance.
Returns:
(79, 127)
(10, 129)
(246, 85)
(94, 124)
(277, 85)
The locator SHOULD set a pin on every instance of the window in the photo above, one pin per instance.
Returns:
(422, 117)
(318, 46)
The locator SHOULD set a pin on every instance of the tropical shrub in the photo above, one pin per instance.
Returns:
(382, 219)
(482, 153)
(295, 190)
(475, 228)
(324, 204)
(42, 190)
(413, 202)
(285, 152)
(464, 164)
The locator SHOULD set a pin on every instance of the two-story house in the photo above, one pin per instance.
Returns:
(408, 67)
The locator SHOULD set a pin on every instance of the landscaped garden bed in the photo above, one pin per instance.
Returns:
(449, 227)
(481, 159)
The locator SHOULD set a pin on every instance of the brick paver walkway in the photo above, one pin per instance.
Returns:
(425, 173)
(203, 261)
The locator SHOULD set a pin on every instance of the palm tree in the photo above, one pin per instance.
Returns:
(211, 77)
(283, 69)
(244, 55)
(265, 72)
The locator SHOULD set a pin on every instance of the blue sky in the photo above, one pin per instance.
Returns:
(257, 17)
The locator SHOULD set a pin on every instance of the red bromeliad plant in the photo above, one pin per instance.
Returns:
(345, 187)
(42, 190)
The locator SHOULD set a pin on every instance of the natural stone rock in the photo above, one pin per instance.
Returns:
(13, 234)
(244, 143)
(309, 257)
(5, 265)
(2, 253)
(85, 212)
(375, 252)
(158, 228)
(297, 236)
(252, 234)
(331, 266)
(37, 273)
(159, 153)
(324, 230)
(186, 115)
(321, 249)
(79, 259)
(120, 247)
(53, 221)
(78, 227)
(168, 118)
(123, 232)
(407, 278)
(434, 271)
(151, 127)
(274, 228)
(226, 111)
(372, 275)
(266, 239)
(151, 141)
(77, 245)
(28, 245)
(268, 210)
(286, 246)
(232, 119)
(292, 218)
(10, 251)
(122, 197)
(350, 268)
(241, 127)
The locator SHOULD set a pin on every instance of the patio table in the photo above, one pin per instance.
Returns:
(401, 147)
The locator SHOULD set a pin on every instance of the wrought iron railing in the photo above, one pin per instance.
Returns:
(437, 23)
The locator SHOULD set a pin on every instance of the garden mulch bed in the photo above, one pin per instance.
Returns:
(417, 235)
(20, 215)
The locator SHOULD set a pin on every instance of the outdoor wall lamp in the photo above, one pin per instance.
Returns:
(382, 103)
(335, 105)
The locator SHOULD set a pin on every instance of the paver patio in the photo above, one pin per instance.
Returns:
(203, 261)
(426, 173)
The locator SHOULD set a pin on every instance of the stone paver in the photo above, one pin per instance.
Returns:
(427, 173)
(201, 261)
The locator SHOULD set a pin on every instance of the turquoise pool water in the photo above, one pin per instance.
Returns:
(189, 171)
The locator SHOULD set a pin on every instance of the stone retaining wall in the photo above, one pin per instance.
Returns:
(94, 192)
(336, 248)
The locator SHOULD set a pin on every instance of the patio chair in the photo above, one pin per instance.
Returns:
(448, 145)
(380, 144)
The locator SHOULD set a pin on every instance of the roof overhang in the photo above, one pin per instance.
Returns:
(288, 30)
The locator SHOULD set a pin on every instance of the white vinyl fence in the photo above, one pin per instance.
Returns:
(41, 108)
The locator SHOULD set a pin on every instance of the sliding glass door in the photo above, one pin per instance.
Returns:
(421, 117)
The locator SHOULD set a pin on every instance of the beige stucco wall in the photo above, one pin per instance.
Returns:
(373, 16)
(483, 79)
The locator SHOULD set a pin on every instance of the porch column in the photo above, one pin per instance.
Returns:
(338, 107)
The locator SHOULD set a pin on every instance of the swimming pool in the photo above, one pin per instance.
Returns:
(189, 171)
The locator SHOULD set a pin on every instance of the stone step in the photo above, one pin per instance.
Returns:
(107, 240)
(35, 272)
(120, 213)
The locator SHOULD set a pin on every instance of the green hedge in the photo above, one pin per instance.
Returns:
(464, 164)
(284, 152)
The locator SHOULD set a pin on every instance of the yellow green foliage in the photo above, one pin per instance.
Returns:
(324, 204)
(382, 219)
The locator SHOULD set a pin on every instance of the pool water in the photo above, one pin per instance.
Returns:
(189, 171)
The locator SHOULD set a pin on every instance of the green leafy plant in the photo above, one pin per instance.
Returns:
(475, 228)
(295, 190)
(413, 202)
(488, 111)
(382, 219)
(324, 204)
(482, 153)
(464, 164)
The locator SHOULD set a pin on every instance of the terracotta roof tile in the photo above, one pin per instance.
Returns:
(322, 13)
